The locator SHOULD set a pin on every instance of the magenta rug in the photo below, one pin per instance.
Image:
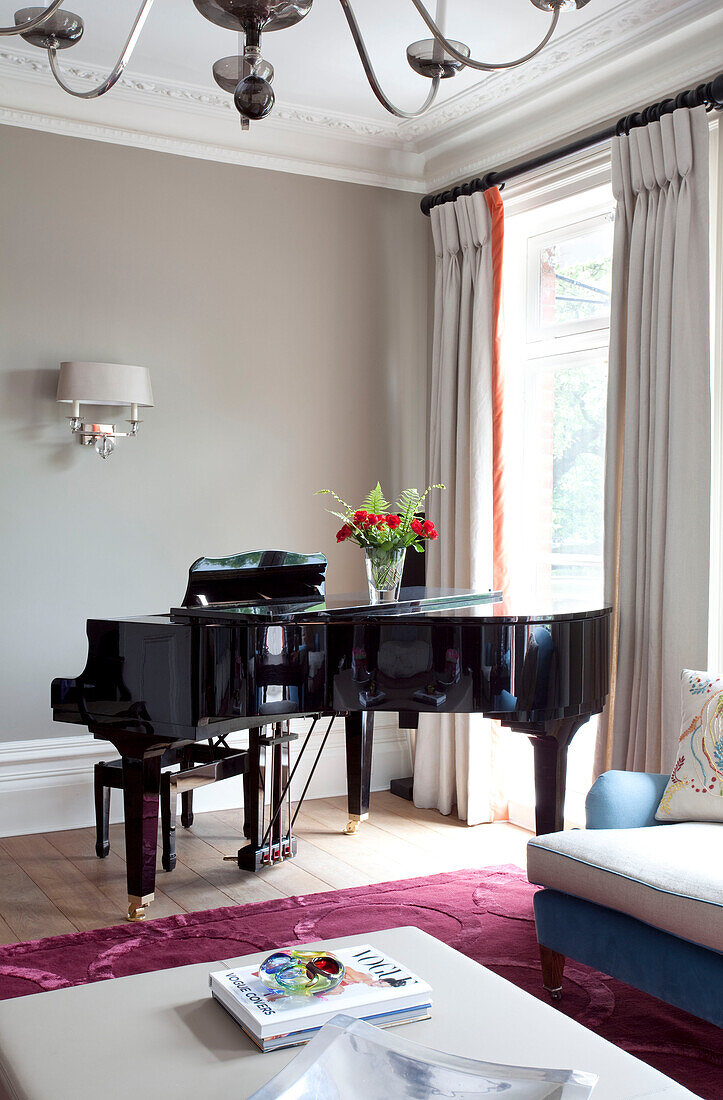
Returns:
(485, 914)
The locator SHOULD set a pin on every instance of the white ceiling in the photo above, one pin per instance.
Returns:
(612, 57)
(316, 62)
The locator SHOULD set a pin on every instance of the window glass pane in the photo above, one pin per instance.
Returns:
(574, 276)
(578, 458)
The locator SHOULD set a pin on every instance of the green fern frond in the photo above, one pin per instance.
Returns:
(340, 515)
(407, 506)
(323, 492)
(375, 502)
(426, 493)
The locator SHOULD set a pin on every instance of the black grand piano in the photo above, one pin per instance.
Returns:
(257, 644)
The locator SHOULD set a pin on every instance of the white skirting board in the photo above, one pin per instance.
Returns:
(47, 785)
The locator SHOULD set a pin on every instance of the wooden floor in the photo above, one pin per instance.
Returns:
(53, 883)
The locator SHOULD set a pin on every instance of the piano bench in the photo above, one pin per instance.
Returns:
(209, 764)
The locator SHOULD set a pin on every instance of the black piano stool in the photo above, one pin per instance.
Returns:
(200, 765)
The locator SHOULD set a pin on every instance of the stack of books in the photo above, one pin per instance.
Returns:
(375, 988)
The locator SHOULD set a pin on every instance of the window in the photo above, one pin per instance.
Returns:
(569, 279)
(558, 263)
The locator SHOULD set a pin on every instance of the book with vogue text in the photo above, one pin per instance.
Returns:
(375, 988)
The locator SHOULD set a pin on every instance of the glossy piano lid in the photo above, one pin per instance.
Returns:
(412, 601)
(436, 603)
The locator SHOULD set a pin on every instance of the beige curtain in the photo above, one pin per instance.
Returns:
(658, 441)
(453, 752)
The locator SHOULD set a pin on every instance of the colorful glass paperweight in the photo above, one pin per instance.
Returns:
(301, 973)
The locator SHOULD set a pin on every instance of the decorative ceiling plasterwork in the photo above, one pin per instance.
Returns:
(686, 61)
(632, 38)
(180, 95)
(621, 24)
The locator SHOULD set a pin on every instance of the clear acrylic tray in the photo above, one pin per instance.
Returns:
(353, 1060)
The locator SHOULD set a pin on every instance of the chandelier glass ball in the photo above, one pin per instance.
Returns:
(559, 5)
(254, 97)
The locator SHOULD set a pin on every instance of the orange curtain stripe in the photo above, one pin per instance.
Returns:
(500, 575)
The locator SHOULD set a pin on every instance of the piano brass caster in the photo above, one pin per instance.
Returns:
(352, 825)
(137, 907)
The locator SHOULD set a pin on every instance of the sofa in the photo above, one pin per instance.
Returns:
(636, 899)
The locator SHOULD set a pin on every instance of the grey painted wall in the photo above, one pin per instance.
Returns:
(284, 320)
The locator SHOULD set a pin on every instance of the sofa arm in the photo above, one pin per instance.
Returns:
(624, 800)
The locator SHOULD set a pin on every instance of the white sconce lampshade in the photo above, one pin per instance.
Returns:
(105, 384)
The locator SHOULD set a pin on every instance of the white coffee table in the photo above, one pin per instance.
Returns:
(161, 1035)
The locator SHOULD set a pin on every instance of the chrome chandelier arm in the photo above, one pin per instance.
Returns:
(372, 76)
(483, 66)
(120, 64)
(31, 24)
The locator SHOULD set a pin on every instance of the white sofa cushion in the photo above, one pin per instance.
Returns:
(695, 789)
(670, 876)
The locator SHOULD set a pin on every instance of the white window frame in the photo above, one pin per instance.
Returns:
(582, 187)
(537, 332)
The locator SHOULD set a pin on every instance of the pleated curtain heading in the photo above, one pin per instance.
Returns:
(453, 752)
(657, 496)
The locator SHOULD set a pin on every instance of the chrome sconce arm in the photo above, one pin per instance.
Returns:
(470, 62)
(372, 76)
(31, 24)
(119, 66)
(102, 436)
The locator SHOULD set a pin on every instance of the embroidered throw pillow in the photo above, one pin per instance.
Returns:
(695, 789)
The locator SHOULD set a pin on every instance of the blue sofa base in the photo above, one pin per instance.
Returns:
(675, 970)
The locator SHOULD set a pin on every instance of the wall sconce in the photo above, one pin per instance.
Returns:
(103, 384)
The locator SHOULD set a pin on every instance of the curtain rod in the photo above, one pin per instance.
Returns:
(710, 94)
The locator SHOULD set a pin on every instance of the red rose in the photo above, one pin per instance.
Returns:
(428, 529)
(343, 533)
(369, 521)
(359, 517)
(417, 527)
(434, 535)
(381, 520)
(393, 521)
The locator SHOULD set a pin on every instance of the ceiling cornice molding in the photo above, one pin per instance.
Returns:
(591, 44)
(200, 150)
(682, 61)
(175, 95)
(635, 51)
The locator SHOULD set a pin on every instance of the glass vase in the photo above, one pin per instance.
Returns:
(384, 573)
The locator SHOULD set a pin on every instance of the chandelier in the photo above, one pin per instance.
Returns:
(248, 76)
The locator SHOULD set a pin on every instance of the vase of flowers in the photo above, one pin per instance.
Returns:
(385, 536)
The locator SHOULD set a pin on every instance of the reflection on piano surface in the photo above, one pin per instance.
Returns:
(257, 643)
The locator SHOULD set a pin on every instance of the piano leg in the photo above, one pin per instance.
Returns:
(141, 784)
(550, 747)
(102, 812)
(359, 744)
(168, 822)
(187, 796)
